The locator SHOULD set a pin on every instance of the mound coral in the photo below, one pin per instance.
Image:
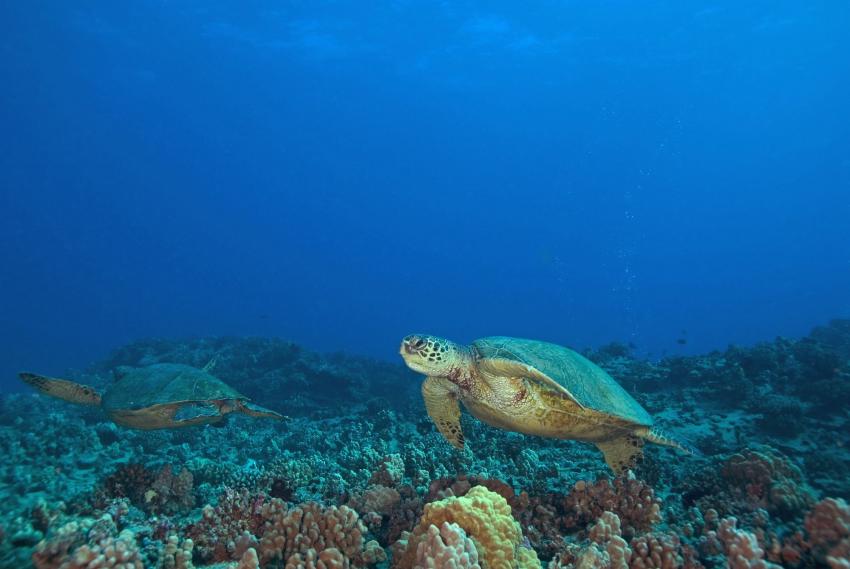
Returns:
(828, 526)
(767, 480)
(486, 518)
(446, 547)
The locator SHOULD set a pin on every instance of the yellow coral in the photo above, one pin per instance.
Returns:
(527, 558)
(486, 518)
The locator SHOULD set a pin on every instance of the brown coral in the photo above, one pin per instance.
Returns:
(766, 479)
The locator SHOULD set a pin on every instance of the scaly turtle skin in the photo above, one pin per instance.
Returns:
(531, 387)
(160, 396)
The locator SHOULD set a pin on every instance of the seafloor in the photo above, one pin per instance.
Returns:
(360, 477)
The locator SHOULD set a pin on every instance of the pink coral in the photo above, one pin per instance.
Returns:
(164, 492)
(741, 547)
(249, 560)
(828, 526)
(377, 498)
(176, 554)
(119, 552)
(54, 550)
(309, 534)
(225, 531)
(171, 492)
(309, 530)
(446, 547)
(606, 549)
(88, 545)
(632, 500)
(662, 551)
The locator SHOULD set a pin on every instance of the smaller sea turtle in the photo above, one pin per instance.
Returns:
(159, 396)
(534, 388)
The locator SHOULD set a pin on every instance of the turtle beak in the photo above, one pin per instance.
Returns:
(412, 345)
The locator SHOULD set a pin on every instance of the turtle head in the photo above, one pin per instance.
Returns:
(433, 356)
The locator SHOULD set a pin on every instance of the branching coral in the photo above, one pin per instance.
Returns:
(164, 492)
(662, 551)
(308, 534)
(740, 547)
(225, 531)
(608, 550)
(632, 500)
(88, 545)
(176, 554)
(170, 492)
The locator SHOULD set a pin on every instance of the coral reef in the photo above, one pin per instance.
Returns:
(359, 477)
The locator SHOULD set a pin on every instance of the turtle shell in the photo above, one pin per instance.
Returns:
(589, 384)
(140, 388)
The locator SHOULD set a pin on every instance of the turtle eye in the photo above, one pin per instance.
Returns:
(413, 344)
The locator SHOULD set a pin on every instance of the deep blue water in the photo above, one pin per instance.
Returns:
(343, 173)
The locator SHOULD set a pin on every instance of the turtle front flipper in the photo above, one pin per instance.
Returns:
(622, 453)
(659, 437)
(195, 413)
(511, 368)
(444, 409)
(254, 410)
(62, 389)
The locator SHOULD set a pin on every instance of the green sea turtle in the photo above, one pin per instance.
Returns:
(159, 396)
(534, 388)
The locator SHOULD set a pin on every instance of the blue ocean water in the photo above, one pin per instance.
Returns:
(219, 220)
(340, 174)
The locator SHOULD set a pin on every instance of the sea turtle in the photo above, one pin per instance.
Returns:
(531, 387)
(159, 396)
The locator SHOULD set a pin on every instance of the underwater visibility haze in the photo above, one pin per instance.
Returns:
(467, 257)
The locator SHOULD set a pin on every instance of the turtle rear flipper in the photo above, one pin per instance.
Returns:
(254, 410)
(62, 389)
(622, 453)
